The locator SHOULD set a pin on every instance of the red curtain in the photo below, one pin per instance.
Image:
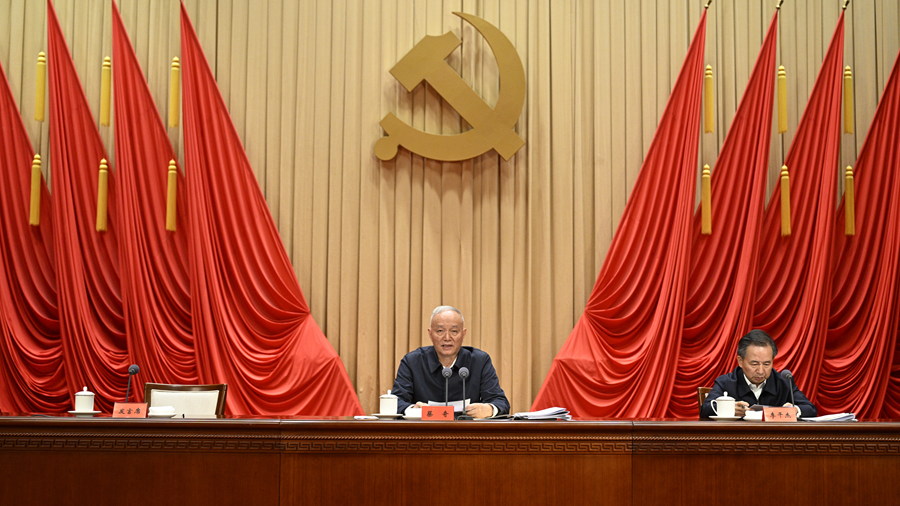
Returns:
(32, 376)
(155, 282)
(617, 360)
(794, 278)
(90, 301)
(252, 326)
(857, 371)
(719, 307)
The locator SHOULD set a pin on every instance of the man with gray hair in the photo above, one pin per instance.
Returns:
(419, 377)
(752, 381)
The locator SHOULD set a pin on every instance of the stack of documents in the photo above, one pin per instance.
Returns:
(544, 414)
(839, 417)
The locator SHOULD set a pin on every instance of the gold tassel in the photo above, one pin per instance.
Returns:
(782, 100)
(848, 100)
(102, 195)
(35, 218)
(705, 202)
(709, 100)
(104, 92)
(174, 93)
(849, 204)
(785, 202)
(40, 84)
(171, 197)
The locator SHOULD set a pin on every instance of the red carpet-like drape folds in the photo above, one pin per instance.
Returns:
(617, 360)
(794, 279)
(154, 268)
(719, 307)
(90, 302)
(32, 376)
(252, 327)
(863, 324)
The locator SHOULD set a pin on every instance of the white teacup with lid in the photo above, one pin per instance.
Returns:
(723, 406)
(388, 404)
(84, 401)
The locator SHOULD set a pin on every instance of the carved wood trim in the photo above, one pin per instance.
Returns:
(820, 445)
(458, 444)
(132, 442)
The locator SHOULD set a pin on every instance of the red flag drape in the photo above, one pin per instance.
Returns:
(90, 302)
(862, 329)
(155, 282)
(719, 308)
(32, 376)
(615, 360)
(252, 326)
(794, 279)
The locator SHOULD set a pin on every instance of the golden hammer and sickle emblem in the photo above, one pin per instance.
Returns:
(491, 128)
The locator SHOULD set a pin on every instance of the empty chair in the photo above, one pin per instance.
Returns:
(702, 392)
(191, 401)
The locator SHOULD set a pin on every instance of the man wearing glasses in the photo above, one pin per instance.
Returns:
(419, 377)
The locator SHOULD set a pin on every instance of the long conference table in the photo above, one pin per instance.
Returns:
(48, 460)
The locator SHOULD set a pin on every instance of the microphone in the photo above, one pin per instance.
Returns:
(446, 373)
(132, 370)
(790, 379)
(464, 373)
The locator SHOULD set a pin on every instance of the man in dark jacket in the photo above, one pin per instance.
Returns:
(752, 382)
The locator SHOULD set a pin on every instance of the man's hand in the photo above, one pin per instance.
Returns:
(741, 408)
(421, 405)
(479, 410)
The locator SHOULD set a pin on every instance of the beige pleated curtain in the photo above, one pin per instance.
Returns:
(515, 245)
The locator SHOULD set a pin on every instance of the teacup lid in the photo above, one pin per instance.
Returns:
(388, 396)
(725, 397)
(85, 392)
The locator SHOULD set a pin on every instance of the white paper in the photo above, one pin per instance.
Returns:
(457, 405)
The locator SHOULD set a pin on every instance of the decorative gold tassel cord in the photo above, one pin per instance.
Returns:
(782, 100)
(102, 196)
(174, 93)
(709, 100)
(40, 83)
(705, 202)
(848, 100)
(171, 196)
(785, 202)
(34, 218)
(104, 92)
(849, 204)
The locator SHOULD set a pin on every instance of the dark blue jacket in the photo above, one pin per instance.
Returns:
(776, 392)
(419, 379)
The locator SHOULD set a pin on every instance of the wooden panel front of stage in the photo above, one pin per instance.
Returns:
(56, 460)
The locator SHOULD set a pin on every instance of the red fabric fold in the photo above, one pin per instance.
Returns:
(719, 307)
(155, 282)
(857, 370)
(616, 362)
(90, 302)
(252, 327)
(794, 279)
(32, 376)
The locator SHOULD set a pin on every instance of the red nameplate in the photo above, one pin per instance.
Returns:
(437, 413)
(130, 410)
(780, 414)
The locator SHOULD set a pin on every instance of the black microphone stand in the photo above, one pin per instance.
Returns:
(464, 373)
